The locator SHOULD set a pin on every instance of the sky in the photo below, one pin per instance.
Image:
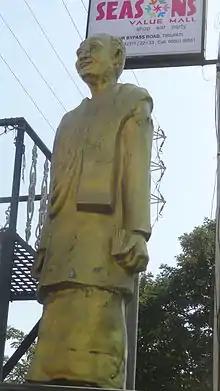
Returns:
(184, 107)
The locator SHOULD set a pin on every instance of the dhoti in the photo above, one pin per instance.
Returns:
(82, 339)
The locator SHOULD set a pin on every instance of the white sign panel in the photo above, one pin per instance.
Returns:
(150, 27)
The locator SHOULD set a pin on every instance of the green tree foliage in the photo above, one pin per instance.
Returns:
(18, 374)
(176, 319)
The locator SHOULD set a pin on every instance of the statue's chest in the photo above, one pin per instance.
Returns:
(93, 129)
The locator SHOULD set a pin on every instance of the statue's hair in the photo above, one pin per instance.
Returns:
(118, 44)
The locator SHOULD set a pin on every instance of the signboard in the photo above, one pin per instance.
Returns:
(155, 32)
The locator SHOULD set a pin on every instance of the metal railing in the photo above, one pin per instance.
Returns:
(16, 255)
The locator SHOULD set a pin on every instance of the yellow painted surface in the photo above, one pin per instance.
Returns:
(98, 223)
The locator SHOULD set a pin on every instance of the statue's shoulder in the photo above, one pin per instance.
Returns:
(130, 98)
(68, 119)
(134, 94)
(72, 114)
(139, 92)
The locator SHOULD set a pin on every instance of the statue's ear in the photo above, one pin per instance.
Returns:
(119, 57)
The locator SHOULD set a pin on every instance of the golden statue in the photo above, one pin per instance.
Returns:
(94, 238)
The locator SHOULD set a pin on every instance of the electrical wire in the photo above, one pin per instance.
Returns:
(32, 62)
(135, 76)
(156, 120)
(26, 92)
(159, 163)
(204, 76)
(217, 107)
(137, 81)
(213, 197)
(74, 24)
(53, 48)
(84, 6)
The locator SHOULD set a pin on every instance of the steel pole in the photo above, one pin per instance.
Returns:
(7, 245)
(132, 330)
(216, 334)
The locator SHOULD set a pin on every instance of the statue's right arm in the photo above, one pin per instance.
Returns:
(129, 243)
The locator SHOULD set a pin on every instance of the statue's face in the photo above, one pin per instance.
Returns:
(94, 57)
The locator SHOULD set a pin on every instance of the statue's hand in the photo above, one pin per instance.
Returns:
(130, 250)
(38, 263)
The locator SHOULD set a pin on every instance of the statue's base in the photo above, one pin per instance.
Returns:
(42, 387)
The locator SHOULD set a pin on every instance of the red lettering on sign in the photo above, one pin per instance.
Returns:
(111, 7)
(183, 8)
(192, 8)
(139, 9)
(101, 12)
(126, 10)
(111, 10)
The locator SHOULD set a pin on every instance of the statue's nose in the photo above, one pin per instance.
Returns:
(86, 52)
(83, 52)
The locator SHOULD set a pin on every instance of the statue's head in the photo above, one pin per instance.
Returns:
(101, 59)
